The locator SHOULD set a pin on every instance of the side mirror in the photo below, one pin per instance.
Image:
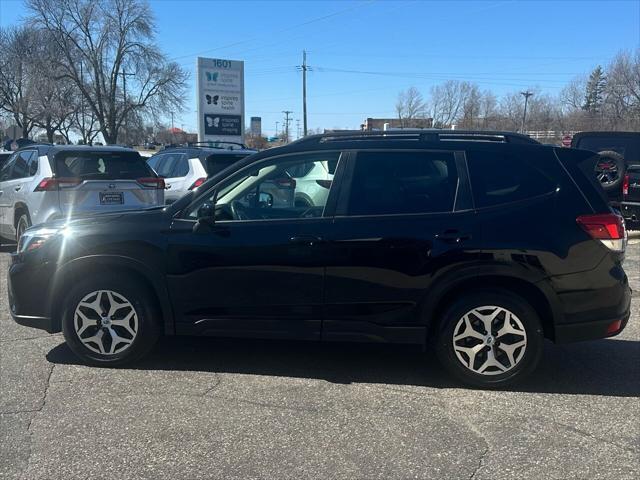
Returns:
(206, 215)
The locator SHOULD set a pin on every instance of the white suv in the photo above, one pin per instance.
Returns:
(186, 168)
(43, 182)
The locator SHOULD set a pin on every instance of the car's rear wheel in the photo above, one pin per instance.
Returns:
(490, 339)
(110, 320)
(22, 225)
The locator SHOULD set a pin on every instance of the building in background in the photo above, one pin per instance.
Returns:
(372, 124)
(256, 126)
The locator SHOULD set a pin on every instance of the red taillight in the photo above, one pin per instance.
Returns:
(152, 182)
(625, 185)
(52, 183)
(197, 183)
(614, 327)
(606, 227)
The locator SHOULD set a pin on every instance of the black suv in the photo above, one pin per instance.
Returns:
(480, 245)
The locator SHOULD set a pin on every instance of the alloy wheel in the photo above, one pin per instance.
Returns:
(105, 322)
(607, 172)
(489, 340)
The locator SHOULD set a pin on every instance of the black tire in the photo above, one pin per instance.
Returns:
(617, 160)
(24, 222)
(146, 310)
(499, 298)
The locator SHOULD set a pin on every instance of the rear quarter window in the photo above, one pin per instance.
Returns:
(502, 177)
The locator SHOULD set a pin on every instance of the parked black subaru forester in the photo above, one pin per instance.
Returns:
(480, 244)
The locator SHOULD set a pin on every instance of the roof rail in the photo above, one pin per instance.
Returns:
(422, 135)
(218, 144)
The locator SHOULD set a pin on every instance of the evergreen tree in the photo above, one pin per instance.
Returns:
(594, 94)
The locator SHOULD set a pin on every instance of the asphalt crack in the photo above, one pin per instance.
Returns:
(35, 412)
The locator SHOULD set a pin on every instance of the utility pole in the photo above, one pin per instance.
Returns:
(297, 128)
(526, 94)
(304, 67)
(172, 134)
(125, 74)
(286, 124)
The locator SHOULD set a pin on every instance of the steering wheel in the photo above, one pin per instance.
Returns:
(238, 211)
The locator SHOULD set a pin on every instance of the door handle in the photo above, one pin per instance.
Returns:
(453, 236)
(18, 188)
(309, 240)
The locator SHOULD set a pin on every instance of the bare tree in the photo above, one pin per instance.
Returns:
(447, 101)
(17, 76)
(101, 41)
(410, 104)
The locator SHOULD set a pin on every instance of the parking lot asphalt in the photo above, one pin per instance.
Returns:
(202, 408)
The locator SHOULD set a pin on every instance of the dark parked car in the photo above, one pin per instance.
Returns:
(479, 246)
(617, 151)
(630, 206)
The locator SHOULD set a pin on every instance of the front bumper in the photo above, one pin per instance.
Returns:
(28, 286)
(42, 323)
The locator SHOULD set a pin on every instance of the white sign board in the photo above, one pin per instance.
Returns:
(220, 91)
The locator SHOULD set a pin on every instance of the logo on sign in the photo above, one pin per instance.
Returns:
(212, 76)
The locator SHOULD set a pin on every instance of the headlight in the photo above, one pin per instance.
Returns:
(34, 239)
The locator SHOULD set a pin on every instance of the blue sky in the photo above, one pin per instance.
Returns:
(501, 45)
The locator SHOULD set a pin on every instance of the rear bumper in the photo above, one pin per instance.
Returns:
(631, 213)
(577, 332)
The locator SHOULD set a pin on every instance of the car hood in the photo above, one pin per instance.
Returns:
(93, 220)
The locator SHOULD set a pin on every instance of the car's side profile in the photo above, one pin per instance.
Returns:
(480, 248)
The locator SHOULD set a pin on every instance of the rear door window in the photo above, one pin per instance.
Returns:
(102, 165)
(170, 165)
(5, 172)
(499, 177)
(403, 182)
(21, 166)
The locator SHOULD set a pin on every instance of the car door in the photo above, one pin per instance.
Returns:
(5, 197)
(14, 189)
(259, 270)
(178, 169)
(403, 217)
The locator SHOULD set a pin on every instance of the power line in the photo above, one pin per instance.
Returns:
(275, 32)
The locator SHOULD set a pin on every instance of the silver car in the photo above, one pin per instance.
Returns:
(43, 182)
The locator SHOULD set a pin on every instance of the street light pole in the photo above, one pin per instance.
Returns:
(526, 94)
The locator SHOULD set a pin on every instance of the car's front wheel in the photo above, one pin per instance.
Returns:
(490, 339)
(110, 320)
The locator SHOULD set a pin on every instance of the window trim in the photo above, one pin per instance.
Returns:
(326, 213)
(342, 210)
(31, 152)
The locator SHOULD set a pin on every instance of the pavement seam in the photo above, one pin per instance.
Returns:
(35, 412)
(13, 340)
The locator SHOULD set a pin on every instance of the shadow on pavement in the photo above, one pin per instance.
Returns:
(604, 367)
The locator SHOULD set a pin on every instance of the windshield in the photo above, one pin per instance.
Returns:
(102, 165)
